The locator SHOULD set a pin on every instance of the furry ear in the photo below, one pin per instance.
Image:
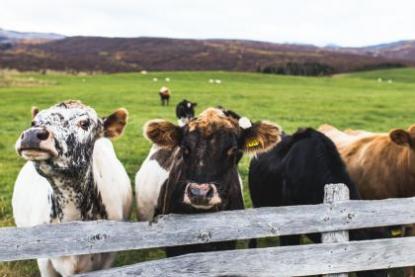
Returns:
(162, 133)
(400, 137)
(411, 130)
(194, 104)
(114, 124)
(259, 137)
(34, 111)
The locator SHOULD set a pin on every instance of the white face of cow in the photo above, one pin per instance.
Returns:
(64, 135)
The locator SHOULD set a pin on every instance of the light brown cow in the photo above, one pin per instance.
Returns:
(381, 164)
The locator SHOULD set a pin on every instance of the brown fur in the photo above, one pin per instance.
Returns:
(115, 123)
(34, 111)
(162, 132)
(382, 165)
(259, 138)
(211, 120)
(265, 133)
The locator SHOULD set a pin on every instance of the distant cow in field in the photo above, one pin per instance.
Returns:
(203, 157)
(164, 96)
(71, 173)
(295, 172)
(185, 111)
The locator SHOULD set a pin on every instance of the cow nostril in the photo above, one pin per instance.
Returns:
(42, 135)
(210, 192)
(196, 192)
(22, 136)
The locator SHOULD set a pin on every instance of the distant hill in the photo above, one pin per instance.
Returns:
(145, 53)
(13, 37)
(400, 50)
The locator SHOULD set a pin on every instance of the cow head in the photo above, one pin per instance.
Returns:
(403, 137)
(62, 137)
(208, 153)
(185, 111)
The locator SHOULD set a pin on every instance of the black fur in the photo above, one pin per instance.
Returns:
(183, 111)
(294, 173)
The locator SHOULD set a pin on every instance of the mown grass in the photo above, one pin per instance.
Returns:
(347, 101)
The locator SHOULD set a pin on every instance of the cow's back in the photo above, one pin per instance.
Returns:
(296, 170)
(379, 167)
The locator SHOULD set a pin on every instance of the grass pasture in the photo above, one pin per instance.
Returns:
(356, 101)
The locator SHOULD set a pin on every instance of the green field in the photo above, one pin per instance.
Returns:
(348, 101)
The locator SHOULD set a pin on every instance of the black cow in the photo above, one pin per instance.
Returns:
(294, 172)
(185, 111)
(204, 174)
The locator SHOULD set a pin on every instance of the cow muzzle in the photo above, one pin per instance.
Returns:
(36, 144)
(201, 196)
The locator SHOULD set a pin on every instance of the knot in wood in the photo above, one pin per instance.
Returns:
(204, 236)
(98, 237)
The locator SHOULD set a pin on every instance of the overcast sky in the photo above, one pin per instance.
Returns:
(320, 22)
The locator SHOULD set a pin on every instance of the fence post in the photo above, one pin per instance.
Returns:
(332, 194)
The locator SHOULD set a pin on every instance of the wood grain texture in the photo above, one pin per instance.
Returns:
(108, 236)
(335, 193)
(311, 259)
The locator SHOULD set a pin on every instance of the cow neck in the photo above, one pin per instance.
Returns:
(75, 196)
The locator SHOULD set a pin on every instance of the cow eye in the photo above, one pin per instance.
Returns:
(84, 124)
(33, 124)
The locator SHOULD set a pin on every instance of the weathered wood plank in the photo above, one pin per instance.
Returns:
(299, 260)
(334, 193)
(106, 236)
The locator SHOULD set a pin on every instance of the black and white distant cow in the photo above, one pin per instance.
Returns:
(164, 96)
(72, 173)
(202, 159)
(185, 111)
(294, 172)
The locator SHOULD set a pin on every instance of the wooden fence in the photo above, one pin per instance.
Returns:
(333, 219)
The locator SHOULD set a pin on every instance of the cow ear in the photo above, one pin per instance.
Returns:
(194, 104)
(114, 124)
(162, 133)
(259, 137)
(400, 137)
(34, 111)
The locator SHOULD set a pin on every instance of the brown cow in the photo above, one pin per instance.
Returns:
(381, 164)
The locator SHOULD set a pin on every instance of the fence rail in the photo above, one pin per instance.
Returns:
(333, 218)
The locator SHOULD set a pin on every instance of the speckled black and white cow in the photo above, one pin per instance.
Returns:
(72, 173)
(202, 157)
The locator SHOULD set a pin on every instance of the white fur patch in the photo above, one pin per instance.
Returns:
(244, 123)
(32, 205)
(148, 182)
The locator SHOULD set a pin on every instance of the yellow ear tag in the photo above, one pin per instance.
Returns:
(252, 143)
(396, 232)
